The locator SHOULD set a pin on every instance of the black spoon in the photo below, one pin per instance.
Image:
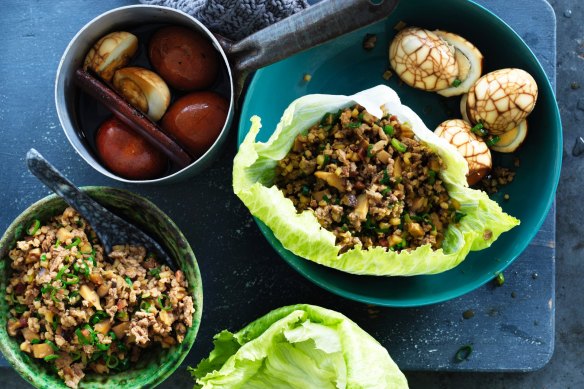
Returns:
(110, 229)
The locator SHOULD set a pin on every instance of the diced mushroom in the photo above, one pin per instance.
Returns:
(41, 350)
(103, 326)
(383, 156)
(415, 229)
(33, 256)
(90, 296)
(112, 52)
(362, 207)
(501, 100)
(378, 146)
(397, 168)
(64, 234)
(331, 179)
(29, 334)
(166, 317)
(25, 346)
(121, 329)
(102, 290)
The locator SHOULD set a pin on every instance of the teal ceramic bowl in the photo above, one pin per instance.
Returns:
(153, 367)
(343, 67)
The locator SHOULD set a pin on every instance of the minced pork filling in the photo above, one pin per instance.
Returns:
(75, 310)
(369, 182)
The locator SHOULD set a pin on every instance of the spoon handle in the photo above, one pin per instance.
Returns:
(96, 215)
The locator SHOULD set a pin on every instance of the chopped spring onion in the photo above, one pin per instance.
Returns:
(20, 308)
(458, 216)
(54, 292)
(479, 130)
(51, 357)
(84, 269)
(399, 146)
(155, 272)
(91, 259)
(145, 306)
(70, 279)
(388, 129)
(128, 281)
(74, 297)
(354, 125)
(33, 227)
(75, 356)
(305, 190)
(369, 153)
(164, 302)
(456, 83)
(43, 257)
(85, 340)
(431, 177)
(493, 140)
(61, 272)
(75, 242)
(112, 335)
(103, 346)
(46, 288)
(56, 320)
(463, 353)
(112, 361)
(97, 317)
(385, 191)
(53, 345)
(500, 279)
(385, 179)
(57, 243)
(35, 341)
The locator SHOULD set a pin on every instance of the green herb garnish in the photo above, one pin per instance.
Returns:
(399, 146)
(33, 227)
(388, 129)
(463, 353)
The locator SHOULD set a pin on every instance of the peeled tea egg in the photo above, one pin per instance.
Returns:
(128, 154)
(196, 120)
(184, 58)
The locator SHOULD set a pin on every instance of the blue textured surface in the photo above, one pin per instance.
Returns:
(244, 278)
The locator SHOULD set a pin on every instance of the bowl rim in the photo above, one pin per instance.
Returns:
(292, 259)
(6, 241)
(67, 122)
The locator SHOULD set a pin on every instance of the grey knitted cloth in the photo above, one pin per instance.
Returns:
(235, 19)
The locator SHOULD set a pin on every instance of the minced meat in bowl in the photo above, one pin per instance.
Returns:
(74, 311)
(369, 181)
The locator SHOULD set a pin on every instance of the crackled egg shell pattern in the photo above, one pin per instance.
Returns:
(502, 99)
(476, 152)
(423, 60)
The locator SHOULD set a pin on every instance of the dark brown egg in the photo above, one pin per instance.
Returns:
(195, 120)
(126, 153)
(183, 58)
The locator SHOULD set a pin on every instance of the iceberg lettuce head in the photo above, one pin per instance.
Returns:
(298, 347)
(253, 182)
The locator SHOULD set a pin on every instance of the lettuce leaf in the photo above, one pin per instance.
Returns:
(253, 176)
(299, 346)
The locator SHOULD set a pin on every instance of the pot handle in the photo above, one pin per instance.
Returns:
(315, 25)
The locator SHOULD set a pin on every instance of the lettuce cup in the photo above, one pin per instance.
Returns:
(298, 346)
(340, 217)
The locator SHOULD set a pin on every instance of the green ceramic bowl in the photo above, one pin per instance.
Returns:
(153, 367)
(343, 67)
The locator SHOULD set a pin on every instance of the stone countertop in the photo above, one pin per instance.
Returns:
(566, 366)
